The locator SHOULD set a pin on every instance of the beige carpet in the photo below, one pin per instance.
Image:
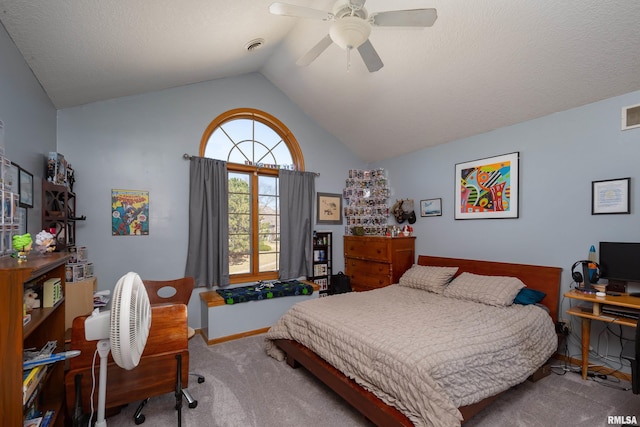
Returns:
(244, 387)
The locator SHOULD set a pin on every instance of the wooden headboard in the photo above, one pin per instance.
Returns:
(542, 278)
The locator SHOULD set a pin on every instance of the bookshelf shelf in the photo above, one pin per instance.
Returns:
(46, 324)
(38, 316)
(322, 260)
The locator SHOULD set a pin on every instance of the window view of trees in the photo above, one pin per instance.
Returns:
(255, 146)
(239, 223)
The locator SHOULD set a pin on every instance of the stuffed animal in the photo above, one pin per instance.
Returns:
(31, 300)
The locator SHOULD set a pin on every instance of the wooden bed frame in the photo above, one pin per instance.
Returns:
(545, 279)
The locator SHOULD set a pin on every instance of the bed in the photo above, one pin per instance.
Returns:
(403, 355)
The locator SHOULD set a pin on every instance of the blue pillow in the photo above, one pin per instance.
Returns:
(528, 296)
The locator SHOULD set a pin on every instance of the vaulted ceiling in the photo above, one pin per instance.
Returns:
(484, 64)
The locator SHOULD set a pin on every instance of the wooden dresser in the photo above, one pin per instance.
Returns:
(374, 262)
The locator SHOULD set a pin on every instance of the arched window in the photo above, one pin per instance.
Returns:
(255, 146)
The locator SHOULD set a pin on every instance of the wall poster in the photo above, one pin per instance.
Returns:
(129, 213)
(487, 188)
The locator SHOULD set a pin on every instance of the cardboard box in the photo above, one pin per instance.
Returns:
(79, 299)
(88, 270)
(74, 272)
(73, 252)
(82, 254)
(56, 168)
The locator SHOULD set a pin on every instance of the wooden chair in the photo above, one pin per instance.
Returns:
(167, 349)
(631, 352)
(177, 291)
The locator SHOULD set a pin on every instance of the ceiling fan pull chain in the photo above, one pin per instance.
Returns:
(348, 59)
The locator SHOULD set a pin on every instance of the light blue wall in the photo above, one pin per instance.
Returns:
(29, 120)
(137, 143)
(560, 155)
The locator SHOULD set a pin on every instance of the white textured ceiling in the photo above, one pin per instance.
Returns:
(483, 65)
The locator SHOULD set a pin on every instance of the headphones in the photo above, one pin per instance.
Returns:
(577, 276)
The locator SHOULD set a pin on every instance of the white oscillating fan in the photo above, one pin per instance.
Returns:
(123, 331)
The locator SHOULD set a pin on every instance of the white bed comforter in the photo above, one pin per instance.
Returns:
(423, 353)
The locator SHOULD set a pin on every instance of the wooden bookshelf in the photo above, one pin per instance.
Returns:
(47, 324)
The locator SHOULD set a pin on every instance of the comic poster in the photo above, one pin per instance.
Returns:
(129, 213)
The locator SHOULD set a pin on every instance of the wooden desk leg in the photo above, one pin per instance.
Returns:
(586, 337)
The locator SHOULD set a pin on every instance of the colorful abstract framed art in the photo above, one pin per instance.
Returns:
(487, 188)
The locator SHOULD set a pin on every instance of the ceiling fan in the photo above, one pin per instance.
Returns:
(351, 26)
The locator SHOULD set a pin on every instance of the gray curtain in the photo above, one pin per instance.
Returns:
(208, 250)
(297, 192)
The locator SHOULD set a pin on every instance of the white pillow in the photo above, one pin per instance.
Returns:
(491, 290)
(428, 278)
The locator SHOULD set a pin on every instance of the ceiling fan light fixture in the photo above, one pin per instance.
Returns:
(349, 32)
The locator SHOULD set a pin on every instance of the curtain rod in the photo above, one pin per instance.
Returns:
(187, 156)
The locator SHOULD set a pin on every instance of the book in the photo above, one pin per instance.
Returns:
(29, 376)
(47, 418)
(52, 290)
(26, 318)
(31, 382)
(33, 422)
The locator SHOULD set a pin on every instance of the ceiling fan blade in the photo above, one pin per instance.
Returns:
(315, 51)
(370, 56)
(405, 18)
(285, 9)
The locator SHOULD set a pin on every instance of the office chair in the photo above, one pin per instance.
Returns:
(176, 291)
(631, 352)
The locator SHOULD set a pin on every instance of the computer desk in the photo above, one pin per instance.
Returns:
(624, 300)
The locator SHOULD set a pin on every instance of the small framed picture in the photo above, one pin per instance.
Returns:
(26, 189)
(610, 196)
(329, 209)
(431, 207)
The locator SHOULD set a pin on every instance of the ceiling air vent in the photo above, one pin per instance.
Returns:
(631, 117)
(254, 44)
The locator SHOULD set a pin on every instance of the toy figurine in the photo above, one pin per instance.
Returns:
(22, 245)
(45, 242)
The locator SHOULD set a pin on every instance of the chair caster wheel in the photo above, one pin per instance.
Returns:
(193, 404)
(200, 380)
(139, 420)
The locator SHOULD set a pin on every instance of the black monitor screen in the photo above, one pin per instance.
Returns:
(620, 261)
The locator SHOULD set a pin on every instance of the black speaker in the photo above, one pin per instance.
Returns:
(578, 277)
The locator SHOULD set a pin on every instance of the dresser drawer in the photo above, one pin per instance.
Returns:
(367, 248)
(365, 282)
(366, 275)
(370, 268)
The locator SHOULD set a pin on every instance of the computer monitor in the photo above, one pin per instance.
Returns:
(620, 261)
